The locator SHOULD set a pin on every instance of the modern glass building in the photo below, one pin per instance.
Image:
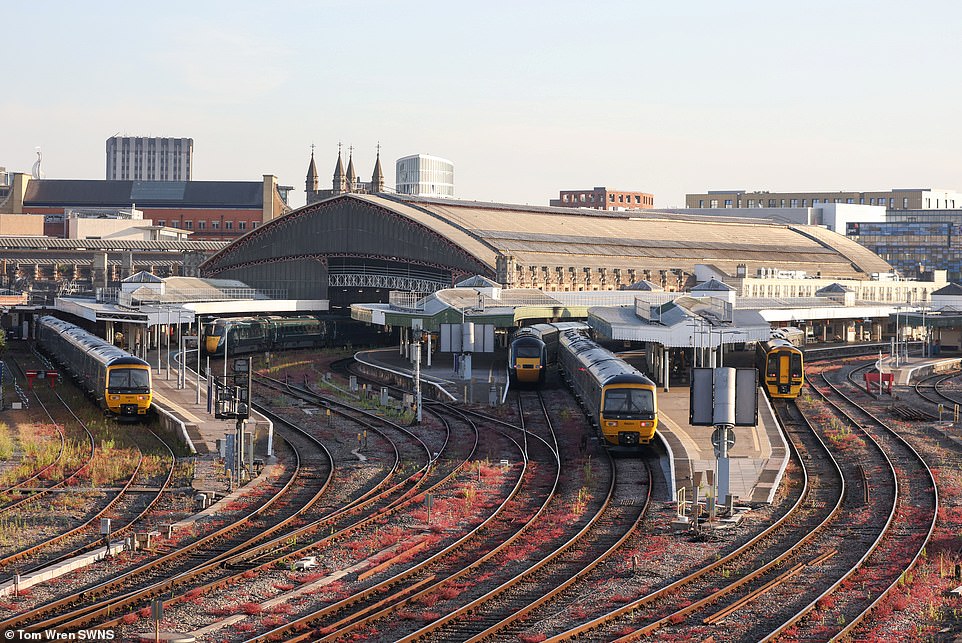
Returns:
(424, 175)
(915, 241)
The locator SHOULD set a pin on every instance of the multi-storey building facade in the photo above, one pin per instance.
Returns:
(424, 175)
(900, 199)
(915, 242)
(141, 158)
(602, 198)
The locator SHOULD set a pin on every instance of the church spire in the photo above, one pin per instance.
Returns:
(339, 183)
(311, 182)
(351, 174)
(377, 179)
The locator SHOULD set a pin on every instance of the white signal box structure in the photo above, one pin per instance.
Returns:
(723, 398)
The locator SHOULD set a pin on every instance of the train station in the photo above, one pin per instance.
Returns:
(457, 278)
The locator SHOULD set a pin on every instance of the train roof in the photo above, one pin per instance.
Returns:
(602, 363)
(527, 338)
(547, 329)
(782, 344)
(101, 350)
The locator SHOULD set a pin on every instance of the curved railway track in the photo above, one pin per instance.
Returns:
(449, 564)
(133, 586)
(338, 521)
(119, 501)
(905, 489)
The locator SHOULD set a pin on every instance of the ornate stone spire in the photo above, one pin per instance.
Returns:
(311, 183)
(351, 174)
(377, 179)
(340, 182)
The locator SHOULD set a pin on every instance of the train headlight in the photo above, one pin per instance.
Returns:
(141, 397)
(114, 398)
(609, 423)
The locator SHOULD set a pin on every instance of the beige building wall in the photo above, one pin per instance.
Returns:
(903, 291)
(13, 204)
(107, 228)
(21, 225)
(274, 205)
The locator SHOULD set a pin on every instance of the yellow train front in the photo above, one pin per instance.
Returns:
(781, 367)
(618, 398)
(127, 387)
(535, 348)
(527, 360)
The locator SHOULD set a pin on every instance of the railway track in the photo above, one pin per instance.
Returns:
(119, 501)
(464, 550)
(302, 486)
(357, 517)
(420, 588)
(904, 492)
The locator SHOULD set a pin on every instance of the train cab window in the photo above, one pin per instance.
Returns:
(795, 365)
(772, 370)
(129, 378)
(628, 401)
(527, 351)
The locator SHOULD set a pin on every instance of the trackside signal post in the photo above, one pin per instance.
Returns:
(723, 398)
(232, 402)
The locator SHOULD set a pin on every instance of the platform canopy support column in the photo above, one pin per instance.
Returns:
(665, 358)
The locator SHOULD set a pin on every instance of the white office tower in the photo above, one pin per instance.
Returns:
(425, 175)
(140, 158)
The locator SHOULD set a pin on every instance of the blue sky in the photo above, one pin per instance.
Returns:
(527, 98)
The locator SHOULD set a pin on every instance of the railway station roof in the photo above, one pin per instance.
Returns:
(540, 235)
(515, 245)
(682, 323)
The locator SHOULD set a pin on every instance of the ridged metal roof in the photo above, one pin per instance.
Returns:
(554, 236)
(42, 243)
(512, 241)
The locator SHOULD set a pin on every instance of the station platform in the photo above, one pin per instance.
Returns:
(180, 410)
(906, 372)
(757, 460)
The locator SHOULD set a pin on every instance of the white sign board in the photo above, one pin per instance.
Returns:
(451, 339)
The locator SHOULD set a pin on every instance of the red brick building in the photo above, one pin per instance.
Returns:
(604, 199)
(217, 210)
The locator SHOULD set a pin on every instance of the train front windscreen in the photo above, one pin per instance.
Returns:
(527, 351)
(128, 380)
(626, 403)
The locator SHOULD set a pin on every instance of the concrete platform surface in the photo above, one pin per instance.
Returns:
(756, 461)
(200, 429)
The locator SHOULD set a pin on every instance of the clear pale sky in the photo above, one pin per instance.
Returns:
(527, 98)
